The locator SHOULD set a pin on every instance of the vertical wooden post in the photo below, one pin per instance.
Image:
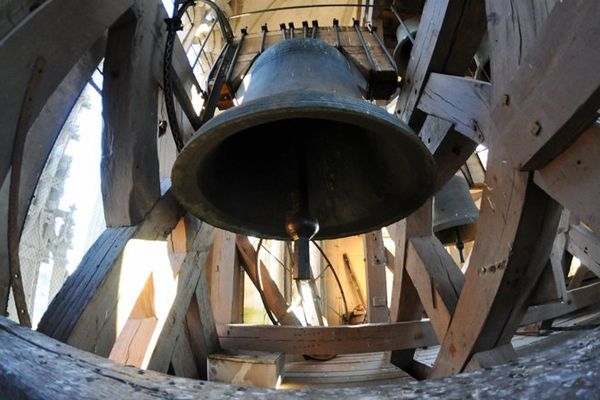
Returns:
(375, 276)
(130, 171)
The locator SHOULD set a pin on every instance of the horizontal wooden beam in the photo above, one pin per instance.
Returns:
(576, 299)
(327, 340)
(462, 101)
(573, 178)
(449, 34)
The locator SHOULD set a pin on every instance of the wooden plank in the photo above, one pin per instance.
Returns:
(465, 102)
(559, 259)
(13, 12)
(37, 366)
(449, 34)
(576, 299)
(450, 148)
(182, 360)
(513, 27)
(573, 178)
(504, 265)
(406, 305)
(327, 340)
(548, 111)
(129, 168)
(273, 295)
(224, 277)
(43, 33)
(584, 245)
(192, 272)
(377, 310)
(437, 278)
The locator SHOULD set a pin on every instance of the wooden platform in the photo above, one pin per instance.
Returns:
(345, 370)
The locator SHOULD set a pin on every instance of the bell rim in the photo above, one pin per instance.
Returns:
(313, 105)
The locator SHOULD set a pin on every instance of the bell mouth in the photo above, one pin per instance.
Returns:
(363, 169)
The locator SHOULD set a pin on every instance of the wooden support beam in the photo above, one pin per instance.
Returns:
(191, 280)
(78, 313)
(503, 267)
(559, 259)
(512, 30)
(273, 296)
(573, 178)
(449, 34)
(43, 33)
(130, 175)
(462, 101)
(555, 94)
(182, 360)
(450, 148)
(577, 299)
(584, 245)
(437, 278)
(224, 277)
(377, 308)
(327, 340)
(406, 305)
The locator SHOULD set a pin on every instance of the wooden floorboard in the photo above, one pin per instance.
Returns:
(347, 369)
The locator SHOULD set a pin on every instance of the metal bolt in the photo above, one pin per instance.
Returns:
(535, 129)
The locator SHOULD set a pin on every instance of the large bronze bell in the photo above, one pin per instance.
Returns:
(304, 154)
(405, 45)
(454, 212)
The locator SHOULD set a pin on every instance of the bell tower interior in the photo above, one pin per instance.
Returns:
(286, 199)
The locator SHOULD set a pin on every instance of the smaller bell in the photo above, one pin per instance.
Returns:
(404, 46)
(455, 214)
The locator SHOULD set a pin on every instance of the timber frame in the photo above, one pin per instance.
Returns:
(538, 117)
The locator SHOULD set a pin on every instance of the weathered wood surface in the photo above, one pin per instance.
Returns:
(327, 340)
(437, 278)
(191, 282)
(406, 304)
(377, 308)
(450, 148)
(554, 95)
(573, 178)
(449, 34)
(96, 281)
(462, 101)
(43, 33)
(35, 367)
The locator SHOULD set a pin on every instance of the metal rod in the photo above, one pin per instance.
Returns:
(282, 28)
(292, 32)
(315, 29)
(266, 10)
(373, 30)
(305, 29)
(264, 38)
(210, 31)
(364, 44)
(235, 55)
(336, 28)
(412, 40)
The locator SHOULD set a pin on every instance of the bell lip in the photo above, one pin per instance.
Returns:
(307, 104)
